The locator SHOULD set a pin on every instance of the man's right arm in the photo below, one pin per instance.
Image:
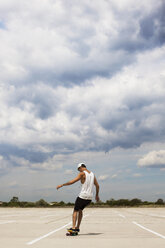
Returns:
(97, 189)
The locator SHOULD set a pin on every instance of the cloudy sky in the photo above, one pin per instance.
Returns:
(82, 81)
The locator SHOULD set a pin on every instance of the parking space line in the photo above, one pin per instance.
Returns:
(121, 215)
(7, 222)
(50, 233)
(158, 234)
(13, 215)
(42, 217)
(154, 215)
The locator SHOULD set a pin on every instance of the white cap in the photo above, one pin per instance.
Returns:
(79, 165)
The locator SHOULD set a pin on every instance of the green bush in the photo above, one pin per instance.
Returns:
(135, 202)
(160, 202)
(41, 203)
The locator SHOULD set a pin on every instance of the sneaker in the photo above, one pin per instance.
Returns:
(77, 229)
(71, 230)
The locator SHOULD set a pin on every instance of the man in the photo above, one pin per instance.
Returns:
(88, 180)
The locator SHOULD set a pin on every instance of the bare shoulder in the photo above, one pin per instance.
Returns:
(82, 174)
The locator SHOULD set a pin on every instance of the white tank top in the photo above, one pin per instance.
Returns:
(87, 187)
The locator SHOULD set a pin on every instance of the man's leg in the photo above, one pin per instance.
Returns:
(74, 218)
(80, 215)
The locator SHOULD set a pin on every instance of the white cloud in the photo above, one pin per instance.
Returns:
(13, 184)
(68, 162)
(20, 161)
(70, 86)
(4, 165)
(103, 177)
(69, 42)
(137, 175)
(114, 176)
(88, 117)
(51, 164)
(68, 172)
(154, 159)
(79, 79)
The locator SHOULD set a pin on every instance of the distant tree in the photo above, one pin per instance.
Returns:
(41, 203)
(55, 204)
(111, 202)
(135, 202)
(5, 204)
(14, 199)
(70, 204)
(123, 202)
(99, 203)
(27, 204)
(147, 203)
(159, 202)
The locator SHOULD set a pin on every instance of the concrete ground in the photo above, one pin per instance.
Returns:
(101, 227)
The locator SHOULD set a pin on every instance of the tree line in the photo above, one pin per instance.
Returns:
(15, 202)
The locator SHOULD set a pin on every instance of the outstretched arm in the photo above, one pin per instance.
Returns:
(97, 189)
(76, 179)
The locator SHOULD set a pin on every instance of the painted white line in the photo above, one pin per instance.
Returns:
(158, 234)
(7, 222)
(138, 212)
(121, 215)
(14, 215)
(42, 217)
(46, 235)
(154, 215)
(50, 233)
(2, 216)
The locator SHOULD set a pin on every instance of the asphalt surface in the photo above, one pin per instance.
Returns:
(101, 227)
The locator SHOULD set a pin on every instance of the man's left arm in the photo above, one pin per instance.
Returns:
(76, 179)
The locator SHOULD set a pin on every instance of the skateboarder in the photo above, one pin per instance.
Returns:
(88, 180)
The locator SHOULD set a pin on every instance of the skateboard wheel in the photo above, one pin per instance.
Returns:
(71, 234)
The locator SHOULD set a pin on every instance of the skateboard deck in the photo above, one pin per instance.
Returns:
(71, 233)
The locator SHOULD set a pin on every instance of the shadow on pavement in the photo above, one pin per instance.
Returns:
(91, 234)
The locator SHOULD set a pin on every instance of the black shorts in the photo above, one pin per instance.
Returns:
(80, 203)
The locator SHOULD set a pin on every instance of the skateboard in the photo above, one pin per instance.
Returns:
(71, 233)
